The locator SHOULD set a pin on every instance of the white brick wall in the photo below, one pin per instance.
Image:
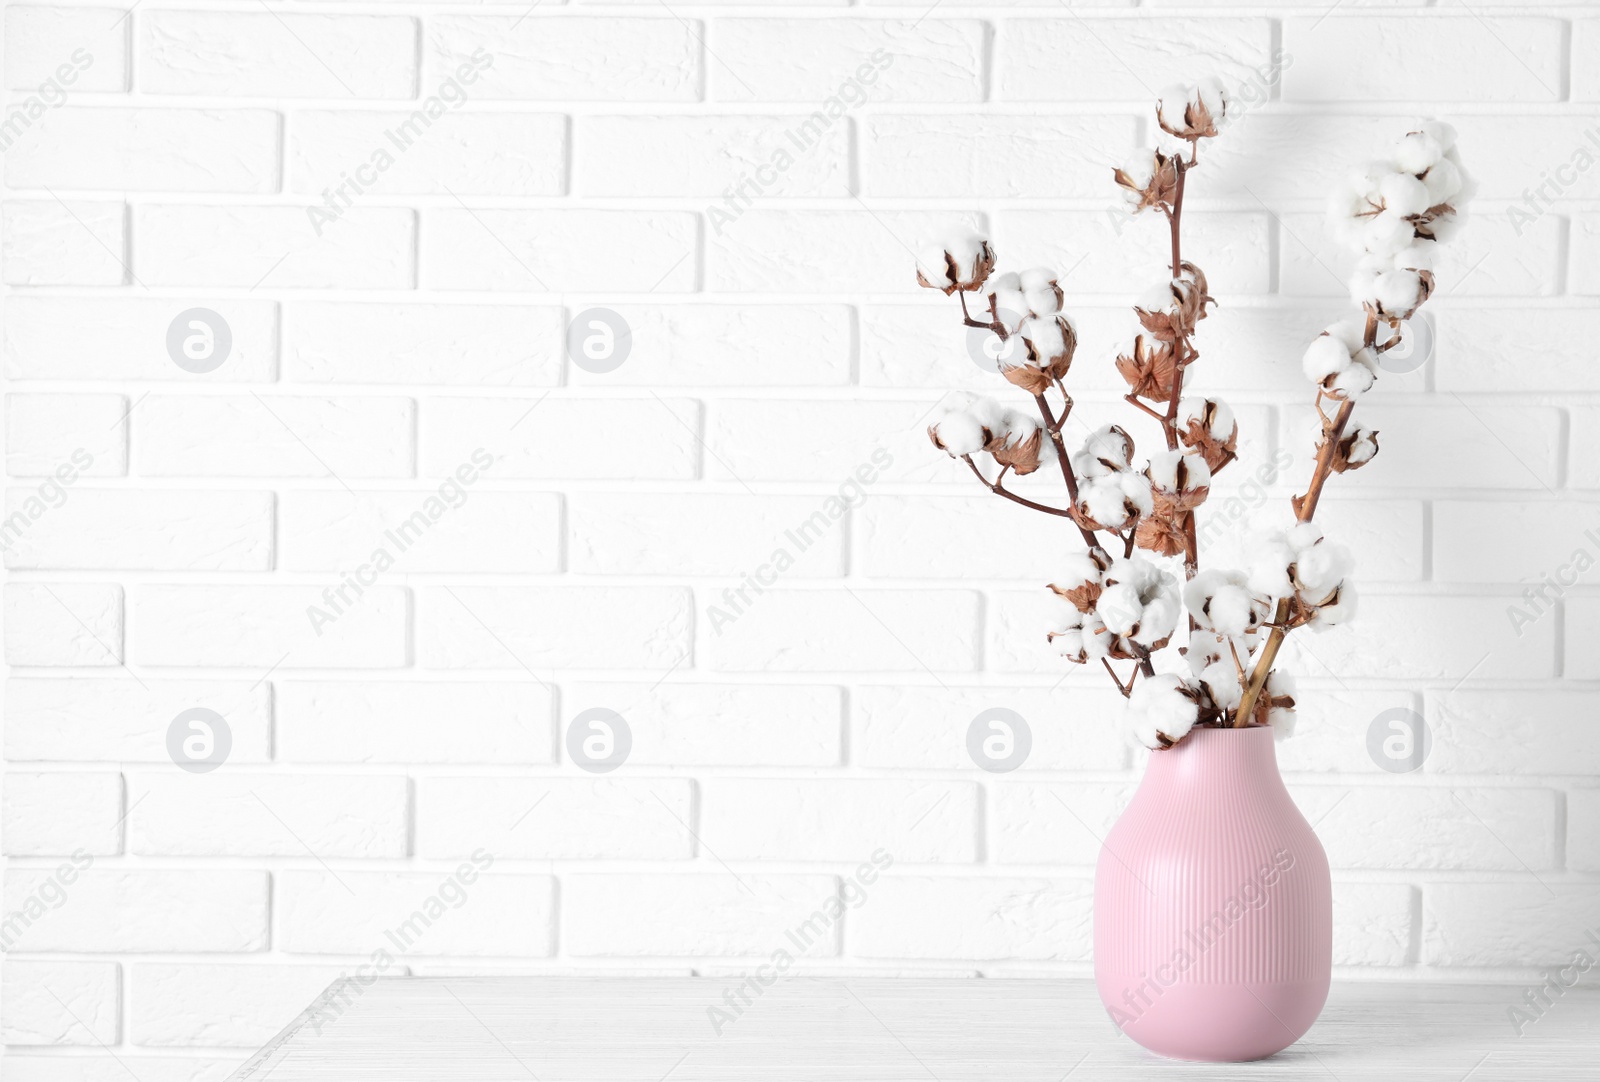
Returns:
(500, 541)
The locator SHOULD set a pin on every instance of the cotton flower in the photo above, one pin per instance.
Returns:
(1082, 579)
(1150, 366)
(1148, 178)
(1417, 194)
(1014, 298)
(1355, 449)
(974, 424)
(1041, 291)
(1393, 286)
(1307, 570)
(1170, 310)
(1180, 481)
(962, 262)
(1050, 342)
(1279, 703)
(1211, 662)
(1140, 603)
(1161, 710)
(1111, 501)
(1108, 449)
(1077, 636)
(1221, 601)
(1193, 112)
(1340, 362)
(1206, 426)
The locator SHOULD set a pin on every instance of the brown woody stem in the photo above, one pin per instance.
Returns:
(1000, 490)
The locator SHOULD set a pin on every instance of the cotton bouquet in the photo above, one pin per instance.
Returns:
(1137, 588)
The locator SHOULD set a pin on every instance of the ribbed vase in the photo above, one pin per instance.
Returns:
(1213, 912)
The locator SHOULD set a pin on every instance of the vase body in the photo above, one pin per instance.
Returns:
(1213, 911)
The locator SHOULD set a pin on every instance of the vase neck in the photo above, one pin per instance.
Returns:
(1217, 758)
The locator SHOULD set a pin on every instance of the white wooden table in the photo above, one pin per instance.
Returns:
(623, 1029)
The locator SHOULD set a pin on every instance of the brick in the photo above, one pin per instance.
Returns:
(1387, 58)
(840, 820)
(626, 251)
(149, 529)
(472, 345)
(711, 156)
(555, 818)
(459, 530)
(902, 727)
(1492, 445)
(922, 537)
(1493, 258)
(1332, 723)
(1372, 924)
(643, 533)
(1015, 634)
(539, 627)
(1385, 536)
(799, 251)
(1424, 638)
(955, 156)
(63, 623)
(166, 150)
(268, 815)
(853, 60)
(720, 724)
(614, 58)
(91, 44)
(63, 437)
(278, 247)
(1064, 59)
(60, 813)
(1583, 455)
(535, 437)
(1033, 919)
(186, 1004)
(1582, 625)
(1489, 349)
(716, 913)
(1096, 253)
(912, 631)
(262, 627)
(465, 910)
(1528, 732)
(108, 1067)
(407, 152)
(1490, 542)
(67, 243)
(60, 1003)
(123, 720)
(277, 56)
(1583, 830)
(334, 438)
(1430, 828)
(1043, 823)
(126, 338)
(849, 446)
(730, 346)
(127, 911)
(1585, 51)
(1522, 923)
(373, 721)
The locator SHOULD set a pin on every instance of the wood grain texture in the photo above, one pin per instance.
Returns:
(623, 1029)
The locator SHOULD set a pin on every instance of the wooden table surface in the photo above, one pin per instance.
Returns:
(625, 1029)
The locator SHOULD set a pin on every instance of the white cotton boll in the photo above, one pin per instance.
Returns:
(959, 433)
(1415, 257)
(1160, 706)
(1039, 288)
(1221, 682)
(1398, 291)
(1320, 569)
(1018, 426)
(1140, 168)
(1158, 298)
(1078, 569)
(966, 248)
(989, 413)
(1353, 382)
(1195, 409)
(1348, 331)
(1339, 611)
(1135, 488)
(1363, 446)
(1107, 450)
(1163, 470)
(1443, 182)
(1442, 133)
(1232, 611)
(1281, 718)
(1204, 648)
(1046, 335)
(1174, 99)
(1160, 617)
(1302, 535)
(1120, 607)
(1387, 233)
(1102, 498)
(1416, 152)
(1210, 92)
(1270, 560)
(1403, 194)
(1324, 357)
(1064, 616)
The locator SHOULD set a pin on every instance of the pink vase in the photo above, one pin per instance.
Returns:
(1213, 912)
